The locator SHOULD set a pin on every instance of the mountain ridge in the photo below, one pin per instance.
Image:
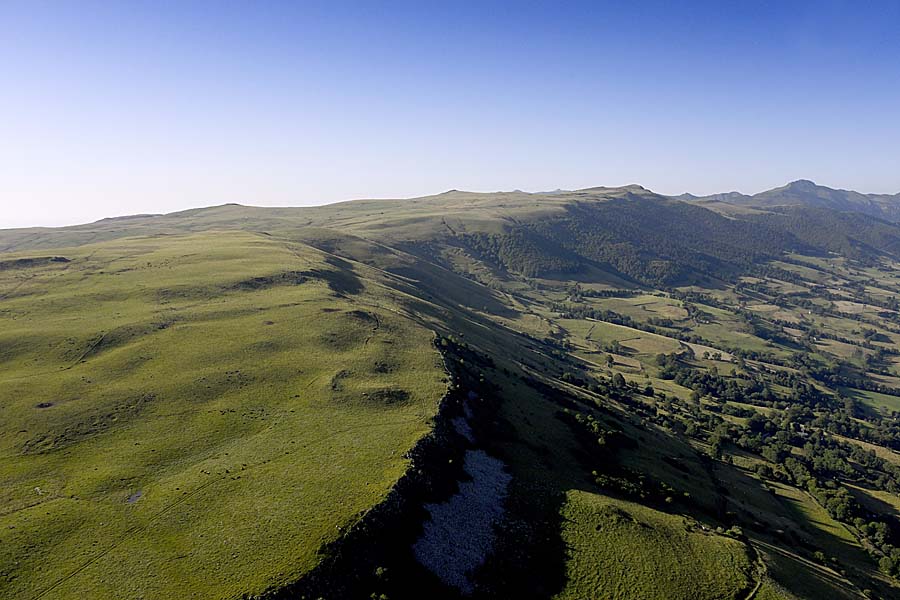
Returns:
(626, 233)
(800, 192)
(620, 360)
(806, 193)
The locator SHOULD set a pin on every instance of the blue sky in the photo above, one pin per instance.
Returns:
(121, 108)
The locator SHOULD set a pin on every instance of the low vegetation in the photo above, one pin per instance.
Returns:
(170, 430)
(677, 402)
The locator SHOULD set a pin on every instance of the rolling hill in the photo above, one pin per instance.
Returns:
(594, 393)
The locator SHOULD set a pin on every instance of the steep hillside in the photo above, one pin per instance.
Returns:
(643, 238)
(851, 234)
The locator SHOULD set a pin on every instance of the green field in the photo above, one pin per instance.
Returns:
(173, 405)
(876, 400)
(644, 307)
(622, 550)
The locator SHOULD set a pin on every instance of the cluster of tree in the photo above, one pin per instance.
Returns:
(889, 563)
(767, 330)
(710, 383)
(876, 430)
(659, 242)
(839, 376)
(462, 352)
(696, 297)
(577, 293)
(810, 302)
(580, 311)
(855, 291)
(664, 327)
(819, 468)
(793, 440)
(615, 387)
(745, 387)
(598, 437)
(638, 486)
(664, 243)
(812, 333)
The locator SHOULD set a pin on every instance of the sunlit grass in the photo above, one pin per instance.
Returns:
(175, 424)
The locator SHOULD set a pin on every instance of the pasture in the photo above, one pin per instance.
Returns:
(194, 416)
(622, 550)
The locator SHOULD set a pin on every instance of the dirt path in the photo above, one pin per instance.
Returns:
(760, 572)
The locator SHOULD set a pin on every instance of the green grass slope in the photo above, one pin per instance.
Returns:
(623, 550)
(194, 416)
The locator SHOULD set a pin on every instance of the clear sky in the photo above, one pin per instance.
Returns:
(114, 108)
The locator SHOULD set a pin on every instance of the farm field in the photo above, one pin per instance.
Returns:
(878, 401)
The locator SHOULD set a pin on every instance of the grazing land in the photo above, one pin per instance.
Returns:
(673, 399)
(197, 414)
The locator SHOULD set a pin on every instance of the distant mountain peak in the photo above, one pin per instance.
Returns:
(803, 185)
(808, 194)
(632, 187)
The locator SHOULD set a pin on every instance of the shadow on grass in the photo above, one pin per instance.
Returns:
(879, 508)
(801, 576)
(373, 558)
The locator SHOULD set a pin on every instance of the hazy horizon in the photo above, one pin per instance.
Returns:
(119, 110)
(262, 205)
